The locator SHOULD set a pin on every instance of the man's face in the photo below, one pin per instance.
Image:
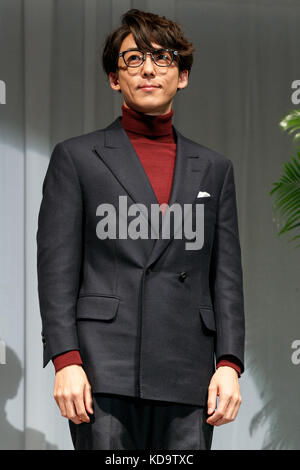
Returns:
(130, 81)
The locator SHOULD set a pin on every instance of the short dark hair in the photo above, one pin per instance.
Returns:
(146, 28)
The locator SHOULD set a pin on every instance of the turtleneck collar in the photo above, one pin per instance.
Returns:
(145, 124)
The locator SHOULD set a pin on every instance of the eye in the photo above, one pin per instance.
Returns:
(133, 57)
(163, 57)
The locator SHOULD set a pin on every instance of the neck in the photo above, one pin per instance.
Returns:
(157, 113)
(146, 124)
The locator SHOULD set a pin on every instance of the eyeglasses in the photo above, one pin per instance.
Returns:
(161, 57)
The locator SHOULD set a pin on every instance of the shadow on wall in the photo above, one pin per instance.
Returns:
(12, 438)
(279, 392)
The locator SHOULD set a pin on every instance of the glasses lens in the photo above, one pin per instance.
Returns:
(163, 58)
(133, 58)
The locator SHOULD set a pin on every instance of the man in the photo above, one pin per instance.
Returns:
(133, 323)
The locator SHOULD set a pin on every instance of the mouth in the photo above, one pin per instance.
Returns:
(149, 87)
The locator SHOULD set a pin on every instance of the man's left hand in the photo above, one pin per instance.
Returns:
(224, 383)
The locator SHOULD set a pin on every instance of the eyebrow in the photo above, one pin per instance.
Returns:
(137, 49)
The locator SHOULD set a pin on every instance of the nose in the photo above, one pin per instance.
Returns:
(148, 67)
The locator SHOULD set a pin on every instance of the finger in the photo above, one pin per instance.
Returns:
(219, 414)
(80, 409)
(226, 417)
(88, 400)
(218, 418)
(220, 422)
(61, 404)
(71, 411)
(212, 398)
(230, 411)
(233, 411)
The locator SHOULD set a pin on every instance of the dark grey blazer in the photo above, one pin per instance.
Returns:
(148, 316)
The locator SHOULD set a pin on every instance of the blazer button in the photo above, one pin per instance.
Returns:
(182, 276)
(148, 271)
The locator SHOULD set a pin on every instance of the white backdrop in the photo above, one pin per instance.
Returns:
(247, 56)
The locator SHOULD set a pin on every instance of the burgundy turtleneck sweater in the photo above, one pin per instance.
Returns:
(154, 142)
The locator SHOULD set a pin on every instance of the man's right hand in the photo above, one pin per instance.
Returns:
(72, 393)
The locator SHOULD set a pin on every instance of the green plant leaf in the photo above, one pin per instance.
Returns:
(291, 124)
(286, 192)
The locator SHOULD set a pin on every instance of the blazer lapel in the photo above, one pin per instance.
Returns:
(119, 155)
(191, 168)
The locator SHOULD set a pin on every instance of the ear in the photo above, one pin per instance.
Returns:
(114, 81)
(183, 79)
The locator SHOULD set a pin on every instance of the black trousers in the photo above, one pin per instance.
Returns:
(121, 423)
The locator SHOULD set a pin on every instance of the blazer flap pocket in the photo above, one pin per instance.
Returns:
(97, 307)
(208, 317)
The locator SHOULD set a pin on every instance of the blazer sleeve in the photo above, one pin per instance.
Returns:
(59, 254)
(226, 277)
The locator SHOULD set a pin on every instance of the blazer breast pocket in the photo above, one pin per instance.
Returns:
(102, 307)
(203, 211)
(205, 200)
(209, 207)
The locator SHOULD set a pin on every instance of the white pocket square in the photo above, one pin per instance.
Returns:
(203, 193)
